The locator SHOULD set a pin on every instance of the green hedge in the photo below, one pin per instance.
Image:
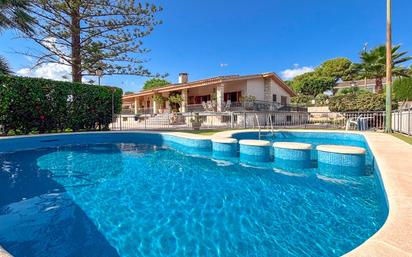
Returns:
(364, 101)
(32, 105)
(402, 89)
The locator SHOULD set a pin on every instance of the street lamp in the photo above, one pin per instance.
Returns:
(99, 74)
(388, 120)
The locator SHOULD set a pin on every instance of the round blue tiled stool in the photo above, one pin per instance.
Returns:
(291, 154)
(254, 150)
(224, 147)
(346, 160)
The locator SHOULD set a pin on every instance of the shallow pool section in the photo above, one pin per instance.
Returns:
(131, 199)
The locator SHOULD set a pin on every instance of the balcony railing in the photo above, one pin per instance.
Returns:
(249, 106)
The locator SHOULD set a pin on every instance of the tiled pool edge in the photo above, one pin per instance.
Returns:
(391, 157)
(393, 239)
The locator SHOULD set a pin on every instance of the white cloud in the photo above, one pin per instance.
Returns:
(295, 71)
(54, 71)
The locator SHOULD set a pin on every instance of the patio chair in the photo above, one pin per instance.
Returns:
(204, 105)
(352, 120)
(209, 106)
(360, 122)
(227, 106)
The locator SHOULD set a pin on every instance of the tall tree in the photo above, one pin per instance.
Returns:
(14, 14)
(155, 83)
(91, 34)
(373, 64)
(338, 68)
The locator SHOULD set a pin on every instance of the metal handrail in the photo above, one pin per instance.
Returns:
(271, 125)
(257, 121)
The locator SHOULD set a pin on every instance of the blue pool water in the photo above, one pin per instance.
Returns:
(131, 199)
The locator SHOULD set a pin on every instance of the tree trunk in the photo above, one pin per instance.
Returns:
(379, 85)
(75, 42)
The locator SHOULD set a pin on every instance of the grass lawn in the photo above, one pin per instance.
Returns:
(407, 139)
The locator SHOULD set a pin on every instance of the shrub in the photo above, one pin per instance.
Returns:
(364, 101)
(302, 99)
(248, 98)
(321, 100)
(312, 85)
(351, 90)
(159, 99)
(402, 89)
(176, 99)
(30, 105)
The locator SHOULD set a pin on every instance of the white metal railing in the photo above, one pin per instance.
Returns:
(261, 120)
(402, 121)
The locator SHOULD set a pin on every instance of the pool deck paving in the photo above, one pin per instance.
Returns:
(394, 159)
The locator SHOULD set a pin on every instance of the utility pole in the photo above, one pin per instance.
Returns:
(388, 121)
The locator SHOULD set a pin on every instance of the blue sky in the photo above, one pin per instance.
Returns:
(215, 37)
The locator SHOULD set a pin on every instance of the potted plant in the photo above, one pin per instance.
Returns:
(196, 121)
(248, 101)
(137, 116)
(160, 100)
(175, 100)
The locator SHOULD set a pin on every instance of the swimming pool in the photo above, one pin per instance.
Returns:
(134, 194)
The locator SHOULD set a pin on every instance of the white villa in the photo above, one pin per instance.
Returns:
(219, 94)
(256, 100)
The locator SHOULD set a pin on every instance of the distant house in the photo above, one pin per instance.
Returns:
(368, 84)
(222, 93)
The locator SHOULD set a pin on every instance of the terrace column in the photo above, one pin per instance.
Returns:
(136, 102)
(220, 91)
(183, 105)
(167, 103)
(267, 90)
(155, 107)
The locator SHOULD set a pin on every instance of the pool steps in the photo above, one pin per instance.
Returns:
(225, 147)
(348, 160)
(297, 155)
(255, 150)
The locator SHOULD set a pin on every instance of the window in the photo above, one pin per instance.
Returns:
(288, 118)
(274, 98)
(232, 96)
(283, 100)
(124, 118)
(202, 98)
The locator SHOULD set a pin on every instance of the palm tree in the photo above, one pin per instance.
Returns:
(373, 64)
(14, 14)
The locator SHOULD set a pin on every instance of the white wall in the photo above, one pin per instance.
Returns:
(255, 88)
(279, 91)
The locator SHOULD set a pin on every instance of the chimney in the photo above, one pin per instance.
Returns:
(183, 78)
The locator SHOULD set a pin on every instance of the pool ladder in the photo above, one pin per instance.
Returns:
(270, 121)
(257, 121)
(271, 125)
